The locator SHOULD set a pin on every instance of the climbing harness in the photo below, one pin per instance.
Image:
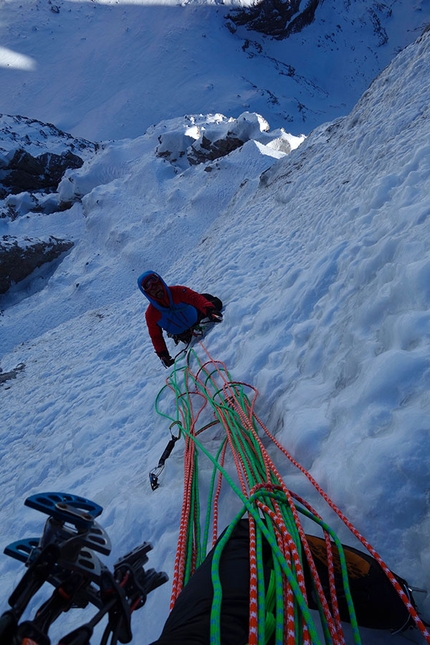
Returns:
(197, 332)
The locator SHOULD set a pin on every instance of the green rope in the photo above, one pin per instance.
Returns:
(210, 498)
(270, 607)
(248, 506)
(344, 572)
(227, 404)
(215, 618)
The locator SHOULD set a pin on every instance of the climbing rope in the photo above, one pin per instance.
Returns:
(205, 397)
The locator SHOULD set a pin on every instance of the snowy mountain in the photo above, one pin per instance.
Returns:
(319, 250)
(109, 69)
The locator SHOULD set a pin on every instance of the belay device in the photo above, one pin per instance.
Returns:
(64, 557)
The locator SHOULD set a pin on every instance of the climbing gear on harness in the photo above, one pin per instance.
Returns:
(64, 557)
(214, 315)
(156, 472)
(196, 331)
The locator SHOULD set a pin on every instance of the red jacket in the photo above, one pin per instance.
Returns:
(179, 294)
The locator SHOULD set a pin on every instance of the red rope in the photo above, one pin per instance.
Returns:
(248, 424)
(248, 420)
(179, 567)
(406, 600)
(253, 590)
(216, 498)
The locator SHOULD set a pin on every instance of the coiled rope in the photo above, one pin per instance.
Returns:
(274, 513)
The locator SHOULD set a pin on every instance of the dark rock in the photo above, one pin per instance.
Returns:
(213, 138)
(7, 376)
(19, 258)
(34, 155)
(42, 173)
(24, 161)
(276, 18)
(378, 29)
(206, 150)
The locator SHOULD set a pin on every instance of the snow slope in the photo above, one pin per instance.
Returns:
(321, 257)
(323, 265)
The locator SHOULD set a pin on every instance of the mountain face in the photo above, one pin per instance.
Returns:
(349, 44)
(282, 18)
(295, 61)
(109, 70)
(277, 18)
(321, 257)
(33, 159)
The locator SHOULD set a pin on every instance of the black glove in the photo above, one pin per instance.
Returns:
(166, 359)
(214, 315)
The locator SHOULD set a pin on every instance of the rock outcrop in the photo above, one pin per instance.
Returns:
(276, 18)
(26, 173)
(12, 374)
(19, 258)
(33, 159)
(206, 139)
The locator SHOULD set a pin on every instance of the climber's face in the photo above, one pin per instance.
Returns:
(153, 285)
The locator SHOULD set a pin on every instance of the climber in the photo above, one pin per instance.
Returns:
(175, 310)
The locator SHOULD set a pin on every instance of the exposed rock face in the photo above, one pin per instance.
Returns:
(276, 18)
(25, 173)
(33, 159)
(207, 150)
(18, 259)
(206, 139)
(7, 376)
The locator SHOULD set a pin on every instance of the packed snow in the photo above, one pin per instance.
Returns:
(318, 248)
